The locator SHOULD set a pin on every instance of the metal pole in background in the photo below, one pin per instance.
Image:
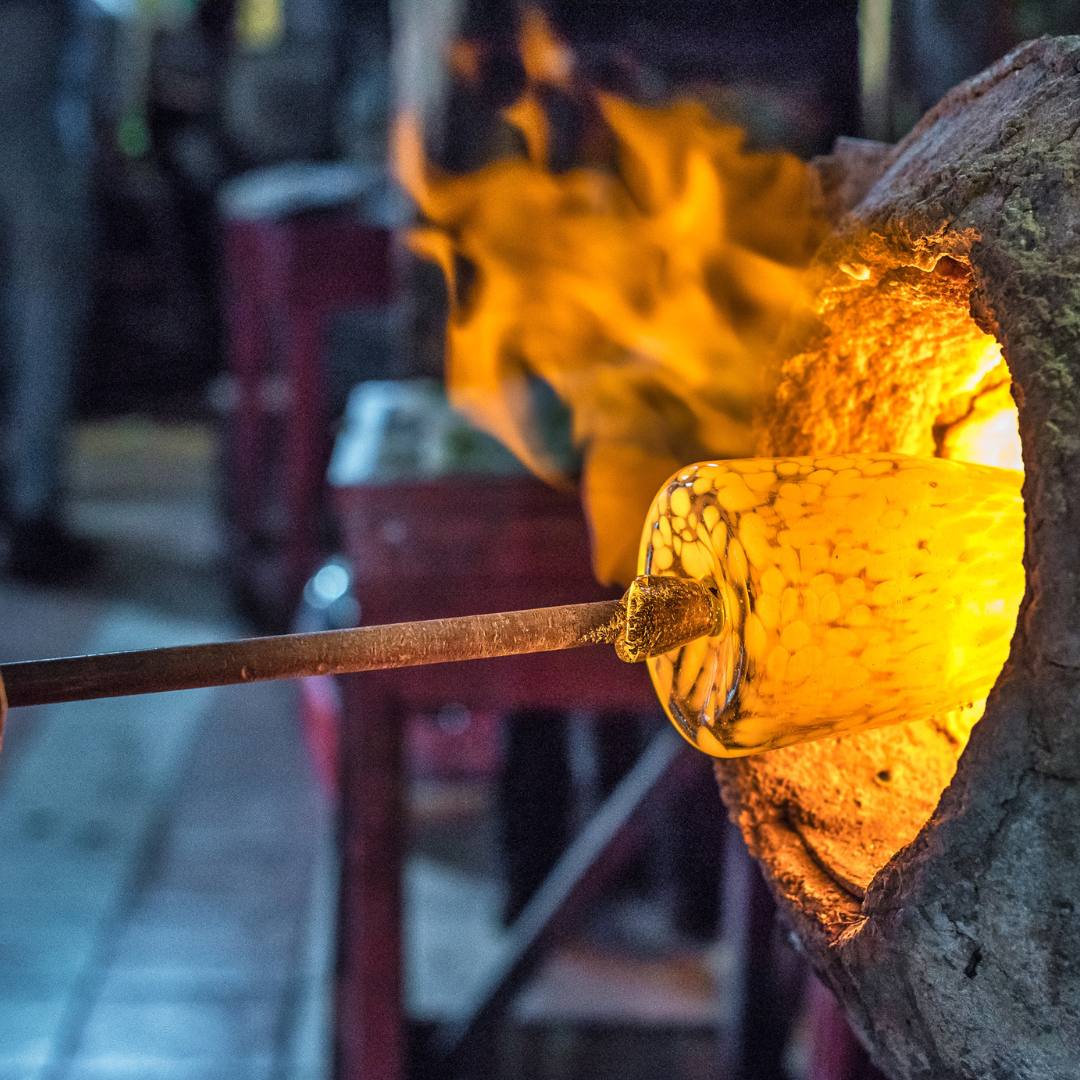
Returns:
(875, 68)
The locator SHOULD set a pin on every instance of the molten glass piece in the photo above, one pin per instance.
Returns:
(857, 591)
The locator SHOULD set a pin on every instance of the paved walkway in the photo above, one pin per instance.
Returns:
(166, 872)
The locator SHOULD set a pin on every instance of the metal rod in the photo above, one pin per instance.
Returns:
(655, 615)
(330, 652)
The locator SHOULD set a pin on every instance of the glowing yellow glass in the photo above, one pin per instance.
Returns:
(858, 590)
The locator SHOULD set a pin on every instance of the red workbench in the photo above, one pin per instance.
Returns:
(422, 550)
(460, 546)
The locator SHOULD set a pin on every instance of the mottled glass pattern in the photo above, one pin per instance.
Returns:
(858, 590)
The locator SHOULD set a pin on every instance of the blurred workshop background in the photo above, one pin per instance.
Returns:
(222, 410)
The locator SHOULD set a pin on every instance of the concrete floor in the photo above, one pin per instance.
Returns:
(166, 885)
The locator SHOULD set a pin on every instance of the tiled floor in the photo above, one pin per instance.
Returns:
(166, 883)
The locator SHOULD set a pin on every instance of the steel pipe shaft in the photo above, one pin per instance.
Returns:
(688, 612)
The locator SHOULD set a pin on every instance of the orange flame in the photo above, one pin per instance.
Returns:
(545, 58)
(647, 293)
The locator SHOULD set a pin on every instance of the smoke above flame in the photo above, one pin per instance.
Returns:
(647, 290)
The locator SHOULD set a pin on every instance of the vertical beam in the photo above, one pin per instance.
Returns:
(369, 1006)
(875, 68)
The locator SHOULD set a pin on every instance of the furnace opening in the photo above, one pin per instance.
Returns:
(647, 285)
(893, 361)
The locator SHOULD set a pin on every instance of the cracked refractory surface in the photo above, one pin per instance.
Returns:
(950, 929)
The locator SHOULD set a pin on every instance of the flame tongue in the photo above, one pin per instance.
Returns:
(647, 292)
